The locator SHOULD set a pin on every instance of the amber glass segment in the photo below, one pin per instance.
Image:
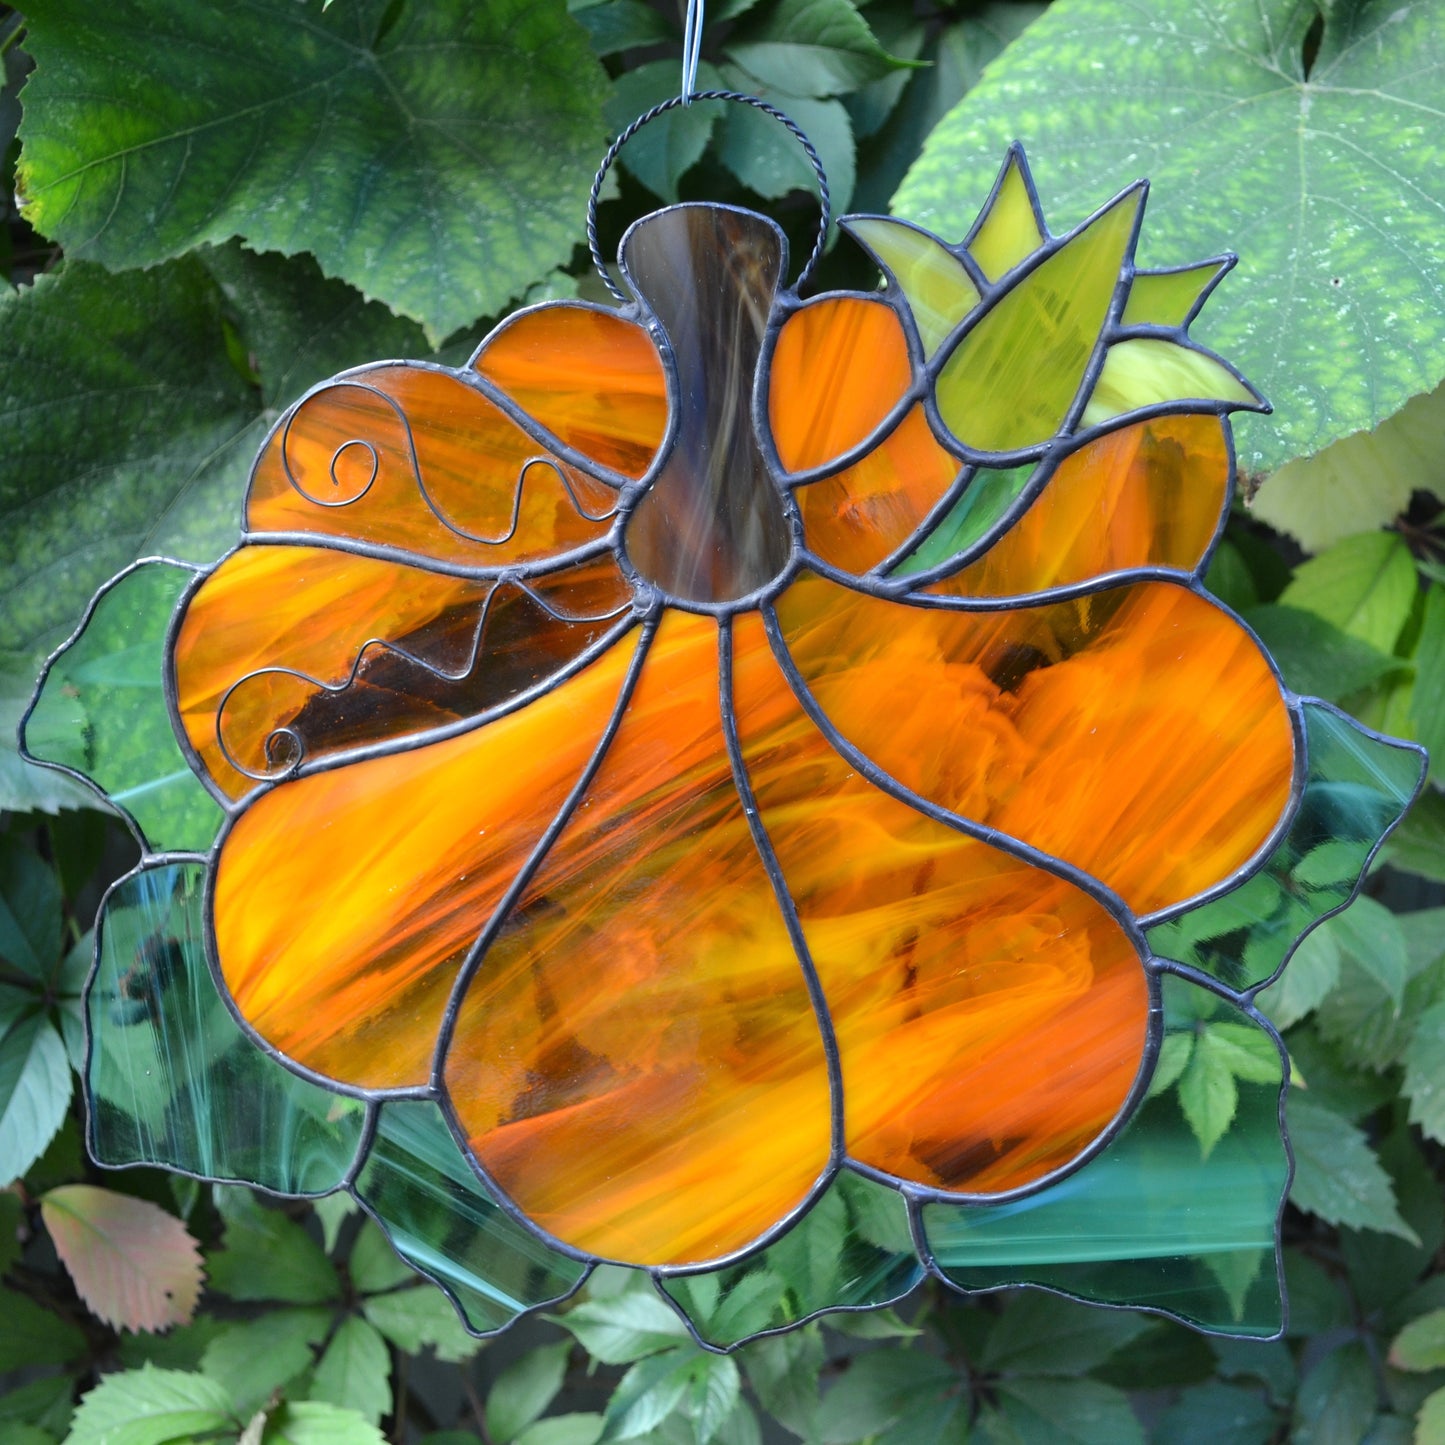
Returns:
(710, 527)
(1148, 495)
(1137, 733)
(1149, 371)
(991, 1018)
(345, 621)
(593, 380)
(839, 367)
(1165, 298)
(1009, 229)
(636, 1061)
(856, 518)
(935, 283)
(1012, 379)
(366, 452)
(346, 900)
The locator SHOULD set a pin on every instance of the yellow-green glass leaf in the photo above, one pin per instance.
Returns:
(1009, 229)
(1011, 380)
(1165, 298)
(935, 283)
(1147, 370)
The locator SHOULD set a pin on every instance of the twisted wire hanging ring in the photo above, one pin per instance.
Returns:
(675, 103)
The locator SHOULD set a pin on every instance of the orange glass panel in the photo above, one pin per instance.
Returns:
(349, 449)
(990, 1017)
(840, 366)
(1137, 733)
(314, 610)
(594, 380)
(858, 517)
(346, 900)
(1148, 495)
(637, 1062)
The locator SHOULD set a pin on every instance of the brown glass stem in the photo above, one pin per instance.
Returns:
(711, 527)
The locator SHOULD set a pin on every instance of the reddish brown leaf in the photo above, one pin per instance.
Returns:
(134, 1264)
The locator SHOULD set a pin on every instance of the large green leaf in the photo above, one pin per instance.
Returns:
(119, 411)
(1323, 177)
(129, 430)
(436, 155)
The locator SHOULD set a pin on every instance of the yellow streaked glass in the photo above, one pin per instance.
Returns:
(935, 283)
(1011, 381)
(1009, 228)
(1148, 370)
(1165, 298)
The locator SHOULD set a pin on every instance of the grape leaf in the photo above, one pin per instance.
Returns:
(150, 1406)
(134, 1265)
(436, 156)
(1337, 1175)
(35, 1085)
(1421, 1344)
(1359, 482)
(1324, 177)
(355, 1371)
(523, 1390)
(1365, 586)
(315, 1422)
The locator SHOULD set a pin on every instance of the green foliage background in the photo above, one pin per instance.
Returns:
(218, 205)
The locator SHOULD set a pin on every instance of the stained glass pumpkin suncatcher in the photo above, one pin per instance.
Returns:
(747, 788)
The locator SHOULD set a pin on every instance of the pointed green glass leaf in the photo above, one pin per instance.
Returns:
(102, 711)
(934, 282)
(1008, 228)
(1336, 314)
(852, 1249)
(1147, 371)
(1356, 787)
(173, 1080)
(985, 502)
(440, 1218)
(1149, 1221)
(1010, 382)
(1167, 298)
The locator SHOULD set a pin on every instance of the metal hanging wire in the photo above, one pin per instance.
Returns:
(691, 50)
